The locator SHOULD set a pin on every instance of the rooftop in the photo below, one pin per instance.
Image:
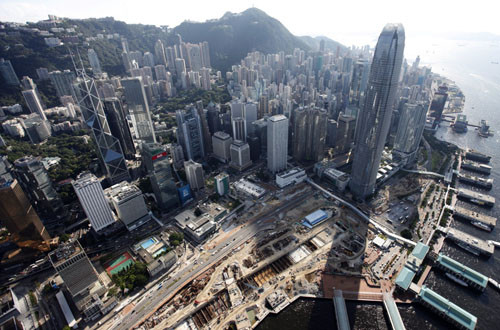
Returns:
(473, 215)
(443, 305)
(405, 278)
(463, 270)
(65, 251)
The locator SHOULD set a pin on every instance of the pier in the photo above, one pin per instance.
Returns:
(393, 312)
(471, 243)
(340, 311)
(476, 198)
(476, 181)
(476, 167)
(488, 223)
(445, 308)
(468, 275)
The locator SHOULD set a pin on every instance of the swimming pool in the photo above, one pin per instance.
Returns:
(159, 251)
(147, 243)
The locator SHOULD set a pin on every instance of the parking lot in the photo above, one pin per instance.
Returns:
(397, 216)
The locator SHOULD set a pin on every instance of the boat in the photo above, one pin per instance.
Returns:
(484, 129)
(477, 201)
(477, 156)
(481, 225)
(456, 279)
(476, 167)
(467, 248)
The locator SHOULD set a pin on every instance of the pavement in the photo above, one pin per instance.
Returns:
(161, 294)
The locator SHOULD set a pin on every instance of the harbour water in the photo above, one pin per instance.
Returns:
(469, 64)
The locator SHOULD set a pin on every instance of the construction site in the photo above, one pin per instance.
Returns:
(282, 261)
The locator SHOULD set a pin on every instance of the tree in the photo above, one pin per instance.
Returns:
(406, 234)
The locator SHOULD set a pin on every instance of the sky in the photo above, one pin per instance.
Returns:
(349, 21)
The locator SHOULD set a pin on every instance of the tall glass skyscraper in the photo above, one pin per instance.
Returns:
(375, 117)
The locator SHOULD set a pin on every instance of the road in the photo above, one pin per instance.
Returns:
(158, 296)
(362, 215)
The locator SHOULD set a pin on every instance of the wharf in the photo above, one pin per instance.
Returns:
(476, 198)
(471, 243)
(476, 167)
(476, 181)
(470, 276)
(474, 216)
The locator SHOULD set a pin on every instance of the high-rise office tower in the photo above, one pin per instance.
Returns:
(91, 196)
(222, 184)
(240, 155)
(160, 55)
(94, 61)
(138, 107)
(42, 73)
(194, 174)
(207, 141)
(239, 128)
(8, 73)
(359, 81)
(189, 133)
(63, 82)
(213, 118)
(34, 103)
(250, 115)
(154, 158)
(410, 130)
(331, 133)
(5, 169)
(118, 125)
(346, 129)
(177, 156)
(35, 180)
(309, 133)
(109, 149)
(17, 214)
(277, 143)
(221, 142)
(375, 116)
(128, 202)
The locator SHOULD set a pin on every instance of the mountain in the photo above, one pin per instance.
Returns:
(234, 35)
(313, 43)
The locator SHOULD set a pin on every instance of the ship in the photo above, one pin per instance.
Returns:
(481, 225)
(467, 247)
(476, 167)
(456, 279)
(477, 156)
(476, 181)
(484, 129)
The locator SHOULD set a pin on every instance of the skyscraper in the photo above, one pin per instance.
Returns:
(160, 53)
(91, 196)
(194, 174)
(8, 73)
(34, 103)
(189, 133)
(154, 158)
(63, 82)
(277, 143)
(309, 133)
(17, 214)
(222, 184)
(118, 125)
(410, 130)
(221, 143)
(240, 155)
(94, 61)
(138, 107)
(375, 116)
(35, 180)
(109, 149)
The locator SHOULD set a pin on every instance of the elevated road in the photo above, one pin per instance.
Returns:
(424, 173)
(158, 295)
(353, 208)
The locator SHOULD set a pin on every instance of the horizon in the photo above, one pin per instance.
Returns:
(460, 20)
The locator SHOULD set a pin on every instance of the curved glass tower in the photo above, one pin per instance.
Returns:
(375, 116)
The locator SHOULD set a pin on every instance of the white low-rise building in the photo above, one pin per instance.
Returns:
(293, 176)
(250, 189)
(339, 178)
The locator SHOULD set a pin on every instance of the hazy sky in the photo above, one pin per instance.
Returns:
(344, 21)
